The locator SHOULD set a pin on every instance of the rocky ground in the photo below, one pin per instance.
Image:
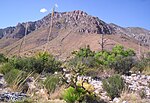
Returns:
(135, 83)
(138, 84)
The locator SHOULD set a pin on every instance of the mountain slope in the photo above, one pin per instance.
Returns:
(140, 34)
(70, 31)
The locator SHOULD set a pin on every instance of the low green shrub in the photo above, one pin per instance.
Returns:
(5, 68)
(113, 86)
(143, 64)
(47, 63)
(123, 65)
(86, 56)
(71, 95)
(11, 76)
(43, 62)
(22, 63)
(16, 78)
(2, 58)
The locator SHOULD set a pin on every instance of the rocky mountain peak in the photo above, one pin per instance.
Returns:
(77, 21)
(74, 21)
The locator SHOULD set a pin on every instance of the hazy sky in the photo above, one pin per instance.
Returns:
(121, 12)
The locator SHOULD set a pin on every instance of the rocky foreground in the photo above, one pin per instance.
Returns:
(136, 83)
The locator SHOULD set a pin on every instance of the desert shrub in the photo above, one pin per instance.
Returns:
(5, 68)
(86, 56)
(11, 75)
(92, 72)
(119, 59)
(47, 62)
(113, 86)
(16, 78)
(107, 59)
(71, 95)
(2, 58)
(84, 52)
(78, 90)
(43, 62)
(23, 63)
(143, 64)
(89, 62)
(52, 82)
(123, 65)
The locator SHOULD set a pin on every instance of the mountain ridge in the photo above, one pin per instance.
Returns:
(67, 25)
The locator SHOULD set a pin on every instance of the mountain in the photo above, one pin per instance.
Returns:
(140, 34)
(70, 31)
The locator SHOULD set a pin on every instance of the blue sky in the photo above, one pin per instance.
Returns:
(135, 13)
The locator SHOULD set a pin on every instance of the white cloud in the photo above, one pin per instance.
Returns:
(56, 5)
(43, 10)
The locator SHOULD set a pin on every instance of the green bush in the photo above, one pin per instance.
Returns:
(71, 95)
(123, 65)
(52, 82)
(109, 59)
(16, 78)
(142, 64)
(21, 63)
(47, 63)
(43, 62)
(5, 68)
(2, 58)
(113, 86)
(85, 56)
(84, 52)
(11, 76)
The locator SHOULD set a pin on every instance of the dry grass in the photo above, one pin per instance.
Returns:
(132, 98)
(146, 71)
(57, 94)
